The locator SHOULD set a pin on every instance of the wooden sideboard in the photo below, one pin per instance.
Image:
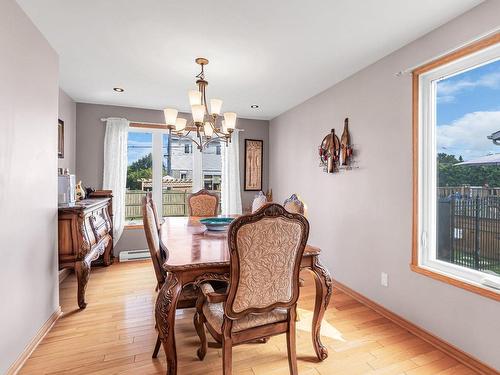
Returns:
(85, 235)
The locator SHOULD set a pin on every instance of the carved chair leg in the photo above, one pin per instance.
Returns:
(107, 253)
(82, 270)
(157, 347)
(199, 321)
(227, 348)
(291, 342)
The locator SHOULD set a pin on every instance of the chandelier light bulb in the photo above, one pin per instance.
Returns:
(180, 123)
(208, 130)
(215, 106)
(194, 97)
(198, 112)
(230, 120)
(170, 116)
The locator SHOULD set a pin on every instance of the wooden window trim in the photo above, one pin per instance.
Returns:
(415, 265)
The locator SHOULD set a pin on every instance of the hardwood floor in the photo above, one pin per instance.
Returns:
(115, 335)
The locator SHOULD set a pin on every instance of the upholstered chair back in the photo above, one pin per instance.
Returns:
(152, 237)
(259, 201)
(294, 205)
(203, 204)
(150, 201)
(265, 253)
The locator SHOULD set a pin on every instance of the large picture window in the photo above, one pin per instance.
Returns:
(170, 168)
(457, 169)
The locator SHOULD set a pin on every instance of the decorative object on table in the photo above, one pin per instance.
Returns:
(337, 154)
(66, 189)
(269, 195)
(294, 205)
(254, 150)
(345, 144)
(80, 193)
(217, 223)
(60, 139)
(206, 125)
(259, 201)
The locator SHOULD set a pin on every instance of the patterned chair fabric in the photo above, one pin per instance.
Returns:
(294, 205)
(214, 314)
(265, 253)
(203, 204)
(259, 201)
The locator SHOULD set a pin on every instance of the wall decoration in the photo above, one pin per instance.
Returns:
(254, 150)
(60, 139)
(337, 154)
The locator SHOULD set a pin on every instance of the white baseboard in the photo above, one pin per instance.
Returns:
(47, 326)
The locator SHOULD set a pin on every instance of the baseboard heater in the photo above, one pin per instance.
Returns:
(131, 255)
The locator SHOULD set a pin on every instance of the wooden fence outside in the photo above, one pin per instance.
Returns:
(174, 203)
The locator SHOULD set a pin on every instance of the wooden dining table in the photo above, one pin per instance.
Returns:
(195, 255)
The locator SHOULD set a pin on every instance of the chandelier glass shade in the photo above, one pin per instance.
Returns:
(207, 124)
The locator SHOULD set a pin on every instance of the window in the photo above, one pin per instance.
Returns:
(169, 168)
(139, 174)
(457, 193)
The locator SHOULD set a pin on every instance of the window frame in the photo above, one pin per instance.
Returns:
(424, 80)
(157, 132)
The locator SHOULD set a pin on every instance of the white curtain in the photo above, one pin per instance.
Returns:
(231, 188)
(115, 169)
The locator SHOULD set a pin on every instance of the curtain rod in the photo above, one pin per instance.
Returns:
(150, 125)
(474, 40)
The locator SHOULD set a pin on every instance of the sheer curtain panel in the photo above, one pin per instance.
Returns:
(231, 187)
(115, 169)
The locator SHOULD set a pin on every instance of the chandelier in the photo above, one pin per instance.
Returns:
(208, 125)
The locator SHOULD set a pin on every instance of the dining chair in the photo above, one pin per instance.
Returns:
(259, 201)
(203, 204)
(152, 226)
(294, 205)
(265, 249)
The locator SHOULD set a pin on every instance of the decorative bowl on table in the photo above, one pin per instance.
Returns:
(216, 223)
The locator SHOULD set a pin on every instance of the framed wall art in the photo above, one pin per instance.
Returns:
(254, 153)
(60, 139)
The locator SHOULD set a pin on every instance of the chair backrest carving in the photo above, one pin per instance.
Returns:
(203, 204)
(151, 229)
(266, 249)
(294, 205)
(259, 201)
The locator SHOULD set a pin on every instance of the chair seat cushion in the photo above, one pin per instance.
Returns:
(214, 314)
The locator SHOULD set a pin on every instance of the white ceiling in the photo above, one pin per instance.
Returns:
(274, 53)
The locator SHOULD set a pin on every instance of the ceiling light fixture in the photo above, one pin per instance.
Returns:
(254, 106)
(118, 89)
(208, 125)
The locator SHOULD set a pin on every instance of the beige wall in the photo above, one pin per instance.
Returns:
(29, 291)
(67, 113)
(90, 152)
(362, 218)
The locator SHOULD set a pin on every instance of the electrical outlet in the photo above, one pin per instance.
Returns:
(384, 279)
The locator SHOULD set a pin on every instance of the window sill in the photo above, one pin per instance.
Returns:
(455, 281)
(133, 226)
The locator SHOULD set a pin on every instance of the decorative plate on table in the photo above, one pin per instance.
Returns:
(217, 223)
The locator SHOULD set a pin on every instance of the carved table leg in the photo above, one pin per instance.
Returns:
(107, 253)
(166, 303)
(324, 290)
(82, 270)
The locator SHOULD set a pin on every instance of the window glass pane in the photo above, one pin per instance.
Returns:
(177, 175)
(468, 194)
(212, 166)
(139, 174)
